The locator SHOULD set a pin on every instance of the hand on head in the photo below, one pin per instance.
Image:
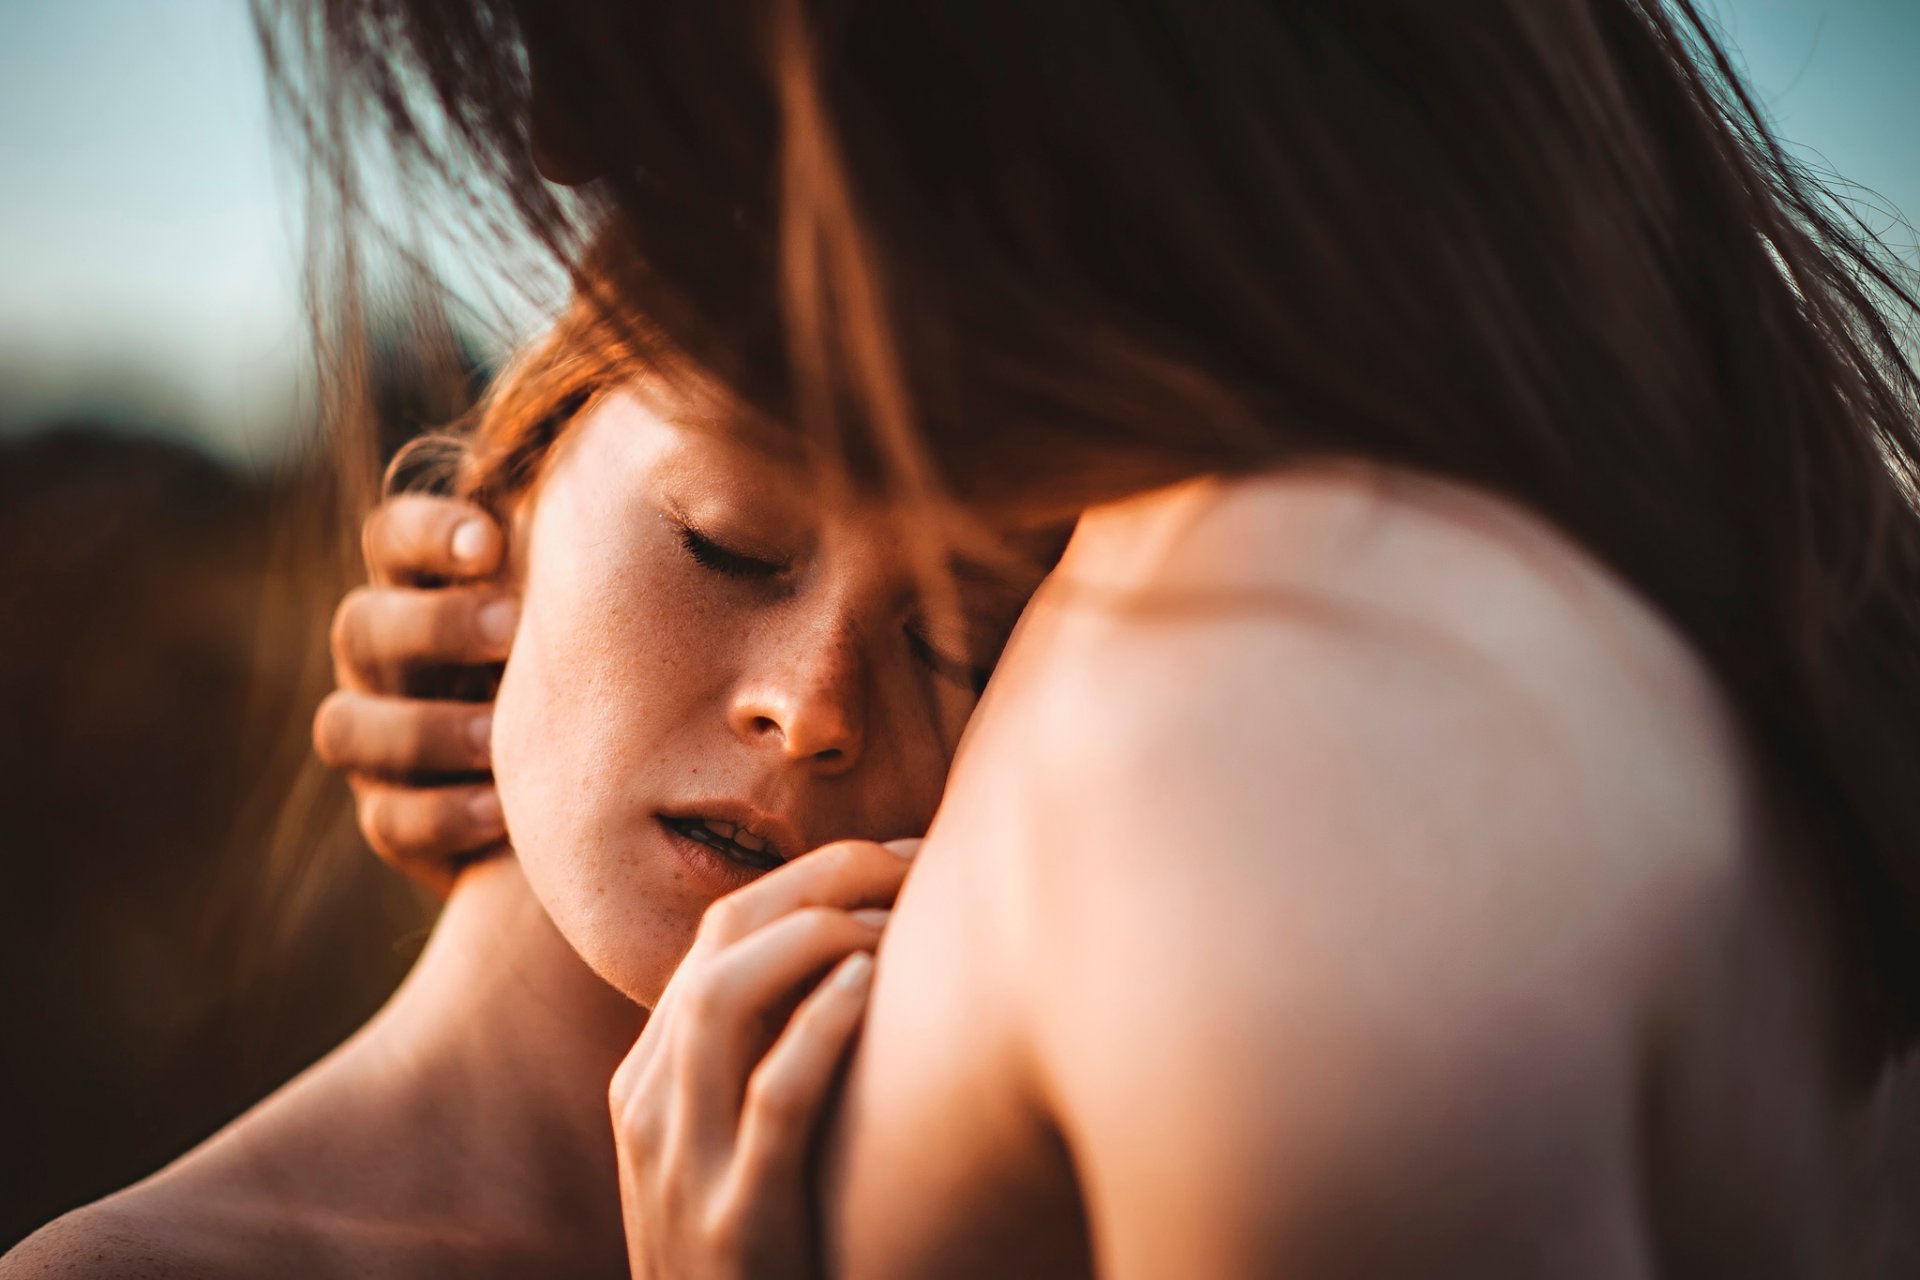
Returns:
(411, 651)
(745, 1045)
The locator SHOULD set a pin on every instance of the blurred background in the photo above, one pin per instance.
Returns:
(186, 916)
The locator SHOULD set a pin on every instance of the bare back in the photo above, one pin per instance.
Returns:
(1348, 875)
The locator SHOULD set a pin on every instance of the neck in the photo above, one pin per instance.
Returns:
(492, 1061)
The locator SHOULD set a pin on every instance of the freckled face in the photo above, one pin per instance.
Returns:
(712, 673)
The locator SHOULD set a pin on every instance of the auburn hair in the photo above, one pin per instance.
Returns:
(1043, 255)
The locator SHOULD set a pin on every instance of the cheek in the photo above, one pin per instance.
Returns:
(590, 717)
(576, 712)
(605, 669)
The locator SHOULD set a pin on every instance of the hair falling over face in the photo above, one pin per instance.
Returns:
(1031, 257)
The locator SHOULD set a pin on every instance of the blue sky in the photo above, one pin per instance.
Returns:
(148, 250)
(145, 248)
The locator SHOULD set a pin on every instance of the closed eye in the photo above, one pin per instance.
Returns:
(734, 564)
(710, 554)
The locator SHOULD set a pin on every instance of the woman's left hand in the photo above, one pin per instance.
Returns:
(715, 1108)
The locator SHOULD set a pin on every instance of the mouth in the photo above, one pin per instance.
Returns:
(735, 840)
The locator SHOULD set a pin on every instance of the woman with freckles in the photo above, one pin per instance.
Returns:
(1450, 809)
(713, 673)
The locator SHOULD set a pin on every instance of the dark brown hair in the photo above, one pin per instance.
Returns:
(1046, 254)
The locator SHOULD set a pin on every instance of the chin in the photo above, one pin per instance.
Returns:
(635, 948)
(638, 981)
(621, 901)
(638, 974)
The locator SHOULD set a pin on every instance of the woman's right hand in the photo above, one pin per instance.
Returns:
(431, 617)
(715, 1109)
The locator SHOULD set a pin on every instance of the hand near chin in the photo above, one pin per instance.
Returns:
(715, 1109)
(412, 652)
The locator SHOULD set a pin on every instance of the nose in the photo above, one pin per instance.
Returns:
(807, 701)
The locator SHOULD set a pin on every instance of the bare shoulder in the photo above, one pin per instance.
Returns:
(1398, 811)
(134, 1236)
(1280, 630)
(225, 1208)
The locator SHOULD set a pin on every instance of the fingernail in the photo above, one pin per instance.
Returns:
(854, 971)
(496, 620)
(480, 729)
(471, 542)
(485, 808)
(904, 848)
(872, 917)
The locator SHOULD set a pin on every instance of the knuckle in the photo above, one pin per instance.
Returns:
(636, 1118)
(375, 820)
(333, 730)
(722, 921)
(774, 1100)
(408, 825)
(701, 998)
(855, 860)
(820, 925)
(720, 1231)
(624, 1086)
(344, 635)
(838, 855)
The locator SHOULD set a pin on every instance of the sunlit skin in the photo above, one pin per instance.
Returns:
(700, 640)
(1350, 874)
(1488, 874)
(659, 669)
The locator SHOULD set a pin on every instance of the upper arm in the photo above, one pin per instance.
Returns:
(1348, 929)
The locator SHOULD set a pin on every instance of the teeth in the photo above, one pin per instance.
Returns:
(729, 833)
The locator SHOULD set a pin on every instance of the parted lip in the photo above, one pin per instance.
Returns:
(782, 841)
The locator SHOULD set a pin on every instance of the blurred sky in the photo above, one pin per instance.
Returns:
(149, 254)
(147, 260)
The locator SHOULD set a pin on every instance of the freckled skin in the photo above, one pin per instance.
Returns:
(465, 1130)
(642, 680)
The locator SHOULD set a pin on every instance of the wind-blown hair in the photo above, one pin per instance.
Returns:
(1039, 255)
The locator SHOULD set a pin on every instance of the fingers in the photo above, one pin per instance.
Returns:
(847, 875)
(726, 1018)
(789, 1087)
(746, 987)
(727, 1008)
(382, 631)
(401, 737)
(417, 537)
(715, 1106)
(425, 831)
